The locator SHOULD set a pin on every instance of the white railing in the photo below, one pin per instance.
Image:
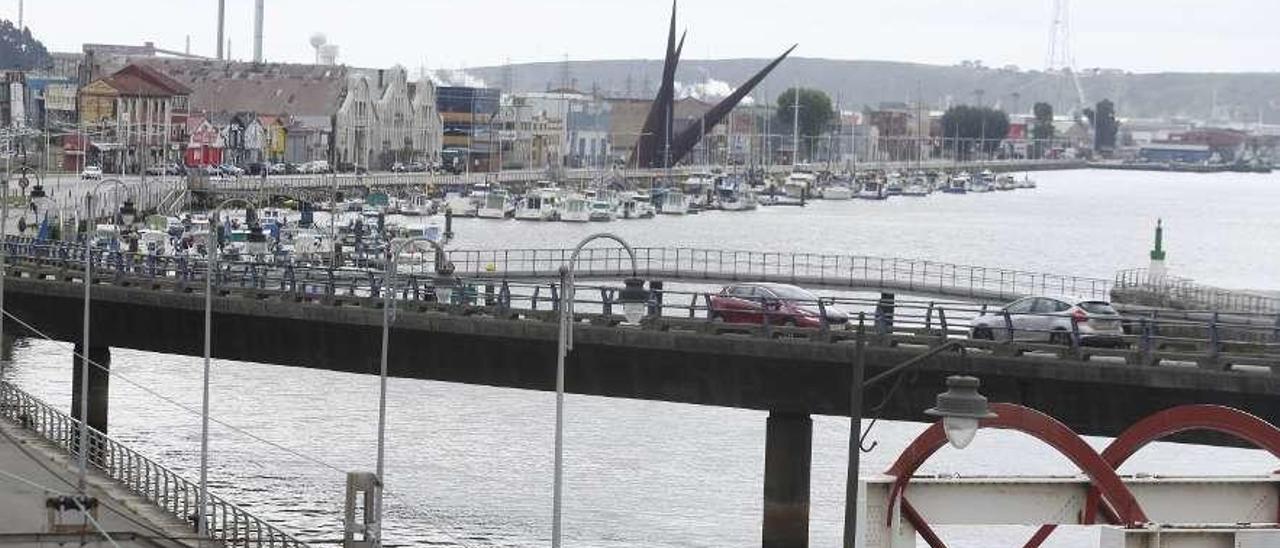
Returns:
(229, 525)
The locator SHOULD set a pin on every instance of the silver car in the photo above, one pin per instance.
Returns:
(1050, 319)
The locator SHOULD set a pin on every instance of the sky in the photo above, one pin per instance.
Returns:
(1135, 35)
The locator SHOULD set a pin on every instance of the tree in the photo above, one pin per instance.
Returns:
(19, 50)
(971, 125)
(1043, 130)
(1105, 125)
(815, 112)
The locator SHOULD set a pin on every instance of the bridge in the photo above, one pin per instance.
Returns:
(503, 332)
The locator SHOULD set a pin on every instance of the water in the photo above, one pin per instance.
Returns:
(471, 465)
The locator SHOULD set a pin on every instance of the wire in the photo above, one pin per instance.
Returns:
(84, 511)
(233, 428)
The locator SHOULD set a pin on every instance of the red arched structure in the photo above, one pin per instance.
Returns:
(1028, 421)
(1216, 418)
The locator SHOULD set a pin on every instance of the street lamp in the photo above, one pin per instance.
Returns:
(443, 286)
(961, 407)
(211, 268)
(633, 298)
(84, 348)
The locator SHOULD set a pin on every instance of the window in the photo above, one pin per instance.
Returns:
(1098, 307)
(1020, 307)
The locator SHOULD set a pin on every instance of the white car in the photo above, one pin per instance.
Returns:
(91, 172)
(1050, 319)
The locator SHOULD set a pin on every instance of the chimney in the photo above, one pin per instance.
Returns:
(257, 32)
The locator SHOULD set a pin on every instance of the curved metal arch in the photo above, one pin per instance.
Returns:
(1215, 418)
(1039, 425)
(573, 259)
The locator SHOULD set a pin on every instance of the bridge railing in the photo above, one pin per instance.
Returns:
(852, 271)
(1141, 286)
(229, 525)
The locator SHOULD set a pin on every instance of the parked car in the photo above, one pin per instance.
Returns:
(316, 166)
(278, 169)
(231, 170)
(416, 167)
(399, 167)
(91, 172)
(175, 169)
(1050, 319)
(156, 170)
(782, 304)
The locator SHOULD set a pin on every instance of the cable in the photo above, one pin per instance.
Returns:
(40, 462)
(233, 428)
(84, 511)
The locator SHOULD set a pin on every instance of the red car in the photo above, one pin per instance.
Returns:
(783, 305)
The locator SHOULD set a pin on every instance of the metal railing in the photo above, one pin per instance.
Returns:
(229, 524)
(1138, 285)
(843, 271)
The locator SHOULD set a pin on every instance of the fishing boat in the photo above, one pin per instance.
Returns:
(674, 202)
(497, 205)
(697, 188)
(734, 194)
(575, 209)
(1006, 182)
(984, 182)
(416, 205)
(540, 204)
(460, 204)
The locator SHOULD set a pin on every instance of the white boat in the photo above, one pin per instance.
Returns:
(674, 202)
(917, 185)
(1006, 182)
(838, 191)
(984, 182)
(575, 209)
(460, 205)
(540, 204)
(637, 206)
(601, 210)
(1026, 181)
(958, 184)
(415, 206)
(799, 184)
(497, 205)
(872, 189)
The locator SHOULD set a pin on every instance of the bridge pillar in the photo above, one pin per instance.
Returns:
(99, 381)
(788, 452)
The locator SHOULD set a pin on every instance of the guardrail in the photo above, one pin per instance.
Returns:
(1139, 286)
(1208, 339)
(229, 525)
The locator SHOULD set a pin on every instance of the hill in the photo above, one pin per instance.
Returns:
(1239, 97)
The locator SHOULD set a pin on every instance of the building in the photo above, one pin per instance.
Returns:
(135, 117)
(470, 117)
(1176, 153)
(348, 116)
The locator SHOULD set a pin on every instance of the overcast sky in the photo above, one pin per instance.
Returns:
(1137, 35)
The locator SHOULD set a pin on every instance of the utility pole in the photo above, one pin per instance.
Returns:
(222, 13)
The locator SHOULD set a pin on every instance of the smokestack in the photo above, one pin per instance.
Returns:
(222, 12)
(257, 32)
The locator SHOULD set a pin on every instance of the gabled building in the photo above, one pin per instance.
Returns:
(135, 117)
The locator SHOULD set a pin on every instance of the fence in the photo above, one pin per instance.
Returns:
(1141, 287)
(229, 525)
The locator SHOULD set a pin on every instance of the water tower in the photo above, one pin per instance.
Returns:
(318, 41)
(329, 54)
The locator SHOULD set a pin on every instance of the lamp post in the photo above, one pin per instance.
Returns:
(212, 250)
(633, 298)
(126, 219)
(443, 287)
(961, 408)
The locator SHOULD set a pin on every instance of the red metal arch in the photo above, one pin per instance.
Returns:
(1039, 425)
(1216, 418)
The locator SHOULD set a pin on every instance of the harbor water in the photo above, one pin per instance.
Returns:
(472, 465)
